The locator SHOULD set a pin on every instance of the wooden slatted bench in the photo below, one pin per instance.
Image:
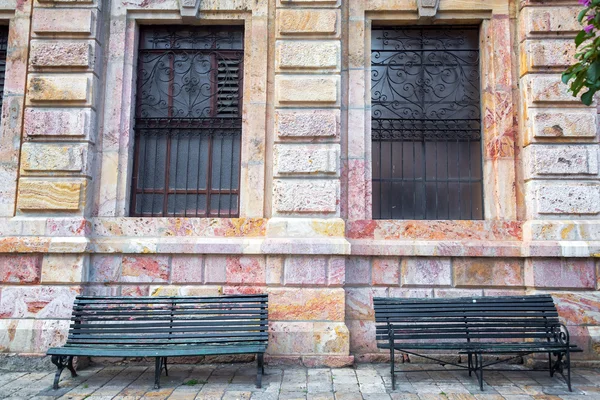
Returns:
(510, 325)
(163, 327)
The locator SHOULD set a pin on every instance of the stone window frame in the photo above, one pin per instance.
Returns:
(500, 129)
(113, 189)
(18, 19)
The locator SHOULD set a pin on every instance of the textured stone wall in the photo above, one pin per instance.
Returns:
(305, 233)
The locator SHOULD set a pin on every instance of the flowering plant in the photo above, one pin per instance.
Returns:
(586, 72)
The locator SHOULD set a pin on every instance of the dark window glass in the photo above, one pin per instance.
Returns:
(426, 123)
(3, 47)
(188, 122)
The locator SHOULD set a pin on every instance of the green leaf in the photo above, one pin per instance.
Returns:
(580, 38)
(593, 72)
(582, 14)
(588, 97)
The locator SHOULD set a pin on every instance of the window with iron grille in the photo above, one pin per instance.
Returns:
(426, 123)
(188, 122)
(3, 47)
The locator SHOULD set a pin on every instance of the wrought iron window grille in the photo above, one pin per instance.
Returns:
(3, 50)
(188, 122)
(426, 123)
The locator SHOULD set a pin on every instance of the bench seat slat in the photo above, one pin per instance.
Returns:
(165, 351)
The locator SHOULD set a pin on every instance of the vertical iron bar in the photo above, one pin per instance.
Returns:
(199, 170)
(391, 193)
(231, 176)
(458, 174)
(380, 180)
(187, 172)
(436, 178)
(220, 173)
(470, 180)
(176, 137)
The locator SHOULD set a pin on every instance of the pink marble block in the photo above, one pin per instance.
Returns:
(20, 268)
(246, 269)
(560, 273)
(145, 268)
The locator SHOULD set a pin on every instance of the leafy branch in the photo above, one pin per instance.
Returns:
(586, 72)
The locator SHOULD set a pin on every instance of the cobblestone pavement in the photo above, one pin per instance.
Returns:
(236, 381)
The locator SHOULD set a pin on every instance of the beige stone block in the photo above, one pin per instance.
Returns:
(60, 53)
(546, 20)
(542, 89)
(52, 157)
(63, 268)
(564, 123)
(36, 195)
(543, 159)
(302, 89)
(307, 21)
(59, 88)
(548, 55)
(308, 55)
(63, 21)
(564, 199)
(306, 159)
(306, 124)
(306, 196)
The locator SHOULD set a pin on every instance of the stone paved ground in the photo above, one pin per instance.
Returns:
(236, 381)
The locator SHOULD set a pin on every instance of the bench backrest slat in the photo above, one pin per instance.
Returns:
(485, 318)
(159, 321)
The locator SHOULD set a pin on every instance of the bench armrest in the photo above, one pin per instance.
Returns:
(562, 334)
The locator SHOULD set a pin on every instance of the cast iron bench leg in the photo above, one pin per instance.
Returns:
(59, 361)
(157, 371)
(70, 367)
(164, 360)
(470, 362)
(568, 365)
(260, 369)
(480, 358)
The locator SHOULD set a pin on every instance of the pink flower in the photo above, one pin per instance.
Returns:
(585, 2)
(589, 28)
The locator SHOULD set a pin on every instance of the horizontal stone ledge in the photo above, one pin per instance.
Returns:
(567, 230)
(297, 246)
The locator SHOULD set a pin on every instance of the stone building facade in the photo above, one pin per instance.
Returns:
(304, 230)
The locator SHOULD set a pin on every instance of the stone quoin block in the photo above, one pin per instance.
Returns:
(548, 54)
(548, 89)
(545, 20)
(561, 159)
(306, 159)
(568, 199)
(63, 268)
(560, 273)
(68, 88)
(478, 272)
(52, 157)
(60, 54)
(426, 271)
(37, 195)
(63, 21)
(306, 196)
(303, 89)
(563, 123)
(307, 55)
(303, 22)
(306, 124)
(58, 122)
